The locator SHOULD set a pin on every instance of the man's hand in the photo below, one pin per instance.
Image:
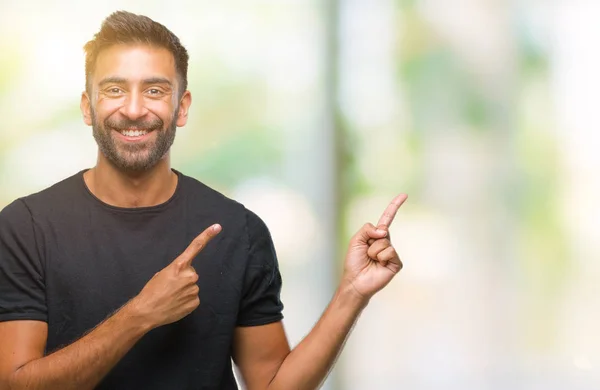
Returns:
(372, 261)
(172, 293)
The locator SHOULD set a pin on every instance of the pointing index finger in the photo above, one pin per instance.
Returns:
(390, 212)
(196, 246)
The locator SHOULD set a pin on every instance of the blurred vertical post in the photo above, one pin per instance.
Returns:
(332, 149)
(311, 168)
(333, 140)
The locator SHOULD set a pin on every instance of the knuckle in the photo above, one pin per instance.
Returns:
(188, 279)
(388, 253)
(177, 264)
(381, 256)
(378, 244)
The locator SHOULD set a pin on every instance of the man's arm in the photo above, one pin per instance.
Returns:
(80, 365)
(169, 296)
(260, 352)
(263, 355)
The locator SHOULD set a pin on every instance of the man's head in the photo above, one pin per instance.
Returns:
(136, 90)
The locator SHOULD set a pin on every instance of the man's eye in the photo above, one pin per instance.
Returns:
(154, 91)
(114, 91)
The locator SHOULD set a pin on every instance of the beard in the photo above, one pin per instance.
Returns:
(133, 157)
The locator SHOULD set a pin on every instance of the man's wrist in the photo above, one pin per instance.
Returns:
(136, 317)
(348, 296)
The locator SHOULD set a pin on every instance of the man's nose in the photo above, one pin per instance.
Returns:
(133, 107)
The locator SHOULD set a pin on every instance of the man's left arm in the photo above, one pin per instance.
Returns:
(262, 353)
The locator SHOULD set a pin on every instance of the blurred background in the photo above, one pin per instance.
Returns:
(314, 114)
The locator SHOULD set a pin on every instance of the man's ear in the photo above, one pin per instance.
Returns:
(184, 106)
(86, 108)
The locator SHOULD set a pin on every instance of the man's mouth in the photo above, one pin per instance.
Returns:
(132, 134)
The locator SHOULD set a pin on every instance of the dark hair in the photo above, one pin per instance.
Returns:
(123, 27)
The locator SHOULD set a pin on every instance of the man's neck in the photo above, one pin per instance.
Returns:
(131, 190)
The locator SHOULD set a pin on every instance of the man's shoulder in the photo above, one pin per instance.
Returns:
(60, 194)
(63, 193)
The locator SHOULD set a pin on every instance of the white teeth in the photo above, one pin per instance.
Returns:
(134, 133)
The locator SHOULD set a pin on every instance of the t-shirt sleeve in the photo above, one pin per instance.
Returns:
(261, 303)
(22, 288)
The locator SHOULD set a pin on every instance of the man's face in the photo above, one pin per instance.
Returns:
(134, 107)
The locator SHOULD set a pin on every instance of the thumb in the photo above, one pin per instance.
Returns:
(367, 232)
(380, 227)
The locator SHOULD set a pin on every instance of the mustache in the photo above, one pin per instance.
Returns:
(127, 124)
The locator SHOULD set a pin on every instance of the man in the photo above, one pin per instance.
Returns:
(99, 284)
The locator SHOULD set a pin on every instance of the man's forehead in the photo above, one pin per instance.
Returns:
(135, 62)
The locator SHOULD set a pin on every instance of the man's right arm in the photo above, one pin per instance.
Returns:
(169, 296)
(80, 365)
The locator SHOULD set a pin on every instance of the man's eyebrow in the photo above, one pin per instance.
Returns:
(121, 81)
(157, 80)
(112, 80)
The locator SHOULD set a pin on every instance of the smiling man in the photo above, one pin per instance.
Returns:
(131, 275)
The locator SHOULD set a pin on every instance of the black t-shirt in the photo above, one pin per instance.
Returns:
(71, 260)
